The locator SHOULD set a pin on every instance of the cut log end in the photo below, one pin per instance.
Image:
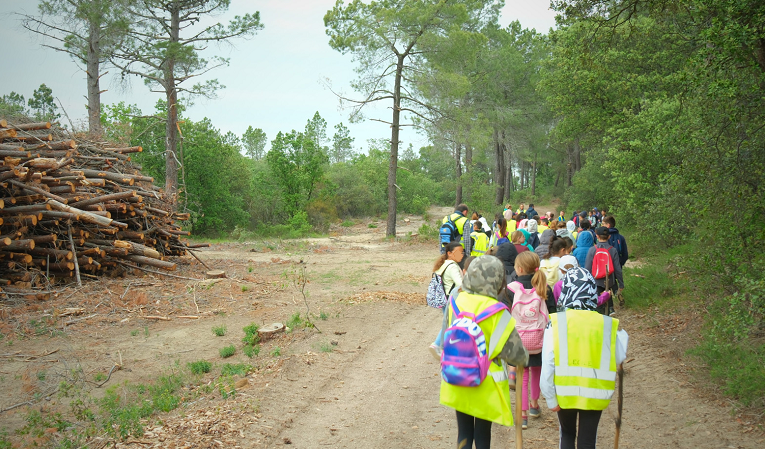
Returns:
(215, 274)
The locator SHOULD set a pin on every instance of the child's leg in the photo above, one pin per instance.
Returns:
(568, 419)
(525, 381)
(482, 433)
(588, 422)
(465, 429)
(535, 385)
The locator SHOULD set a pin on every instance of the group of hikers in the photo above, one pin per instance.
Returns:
(535, 293)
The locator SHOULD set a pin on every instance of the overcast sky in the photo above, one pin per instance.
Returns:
(273, 81)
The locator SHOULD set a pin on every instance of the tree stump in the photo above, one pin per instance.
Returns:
(215, 274)
(270, 330)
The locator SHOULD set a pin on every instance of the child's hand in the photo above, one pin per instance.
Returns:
(556, 409)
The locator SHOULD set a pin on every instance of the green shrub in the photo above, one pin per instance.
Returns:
(219, 331)
(240, 369)
(733, 336)
(251, 351)
(276, 352)
(199, 367)
(227, 351)
(347, 224)
(251, 334)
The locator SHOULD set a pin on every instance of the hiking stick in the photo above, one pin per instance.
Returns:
(518, 391)
(620, 406)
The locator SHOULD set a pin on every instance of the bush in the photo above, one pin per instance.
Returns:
(227, 351)
(199, 367)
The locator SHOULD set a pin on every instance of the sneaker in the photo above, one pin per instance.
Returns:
(611, 311)
(436, 351)
(534, 412)
(524, 422)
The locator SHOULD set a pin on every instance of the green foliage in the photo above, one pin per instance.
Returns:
(227, 351)
(734, 336)
(296, 162)
(42, 105)
(276, 352)
(219, 331)
(326, 347)
(251, 351)
(251, 334)
(347, 223)
(254, 141)
(240, 369)
(323, 316)
(342, 144)
(199, 367)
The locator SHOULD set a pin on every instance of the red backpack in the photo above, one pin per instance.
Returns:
(602, 260)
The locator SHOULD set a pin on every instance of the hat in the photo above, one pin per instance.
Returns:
(603, 231)
(579, 290)
(567, 262)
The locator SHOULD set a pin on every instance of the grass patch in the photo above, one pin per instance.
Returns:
(199, 367)
(323, 316)
(276, 352)
(227, 351)
(219, 331)
(240, 369)
(134, 332)
(251, 351)
(347, 223)
(326, 347)
(372, 225)
(295, 321)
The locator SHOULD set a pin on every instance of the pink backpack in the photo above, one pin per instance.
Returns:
(531, 315)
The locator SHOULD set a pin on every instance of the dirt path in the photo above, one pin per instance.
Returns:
(365, 381)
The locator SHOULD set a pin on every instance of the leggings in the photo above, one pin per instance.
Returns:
(535, 385)
(587, 423)
(473, 429)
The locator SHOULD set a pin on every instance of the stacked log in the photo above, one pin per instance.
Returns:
(71, 207)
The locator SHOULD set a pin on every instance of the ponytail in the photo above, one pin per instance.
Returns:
(442, 258)
(540, 284)
(556, 245)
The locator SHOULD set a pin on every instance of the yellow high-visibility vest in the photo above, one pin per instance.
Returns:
(481, 243)
(584, 359)
(459, 221)
(490, 399)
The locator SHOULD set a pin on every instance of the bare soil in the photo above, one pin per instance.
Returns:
(362, 379)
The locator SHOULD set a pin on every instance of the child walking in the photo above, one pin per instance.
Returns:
(479, 405)
(533, 301)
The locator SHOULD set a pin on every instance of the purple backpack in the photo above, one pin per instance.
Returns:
(465, 360)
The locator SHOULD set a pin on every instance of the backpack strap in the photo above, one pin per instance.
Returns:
(490, 311)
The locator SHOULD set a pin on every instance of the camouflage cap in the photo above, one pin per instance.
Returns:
(485, 276)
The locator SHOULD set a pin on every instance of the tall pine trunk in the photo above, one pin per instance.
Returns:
(391, 221)
(535, 163)
(92, 79)
(500, 169)
(458, 173)
(171, 95)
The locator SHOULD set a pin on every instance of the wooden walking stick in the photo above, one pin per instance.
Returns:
(518, 426)
(620, 406)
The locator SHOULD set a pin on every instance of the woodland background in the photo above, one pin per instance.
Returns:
(653, 110)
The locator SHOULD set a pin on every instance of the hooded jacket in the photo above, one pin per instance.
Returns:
(533, 240)
(618, 242)
(585, 242)
(507, 253)
(545, 241)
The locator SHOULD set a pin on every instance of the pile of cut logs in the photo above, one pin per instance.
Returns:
(72, 208)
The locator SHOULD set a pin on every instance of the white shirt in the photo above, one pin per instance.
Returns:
(485, 227)
(548, 390)
(452, 276)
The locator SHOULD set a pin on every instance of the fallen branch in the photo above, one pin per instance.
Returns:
(67, 323)
(157, 272)
(157, 317)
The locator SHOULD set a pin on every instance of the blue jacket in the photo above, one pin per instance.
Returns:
(531, 212)
(583, 245)
(618, 242)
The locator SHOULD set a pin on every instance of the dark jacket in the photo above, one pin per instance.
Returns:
(533, 240)
(508, 254)
(531, 212)
(617, 275)
(527, 281)
(618, 242)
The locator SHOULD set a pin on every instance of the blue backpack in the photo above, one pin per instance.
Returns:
(448, 232)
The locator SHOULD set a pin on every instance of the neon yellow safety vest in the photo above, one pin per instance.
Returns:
(459, 221)
(490, 400)
(584, 359)
(481, 243)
